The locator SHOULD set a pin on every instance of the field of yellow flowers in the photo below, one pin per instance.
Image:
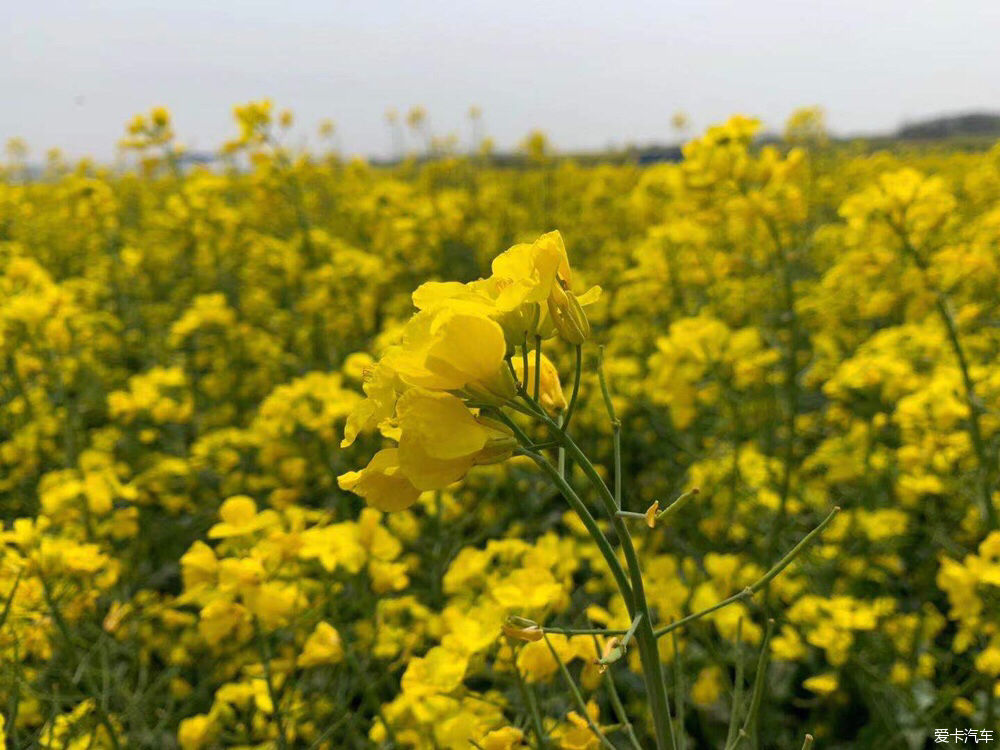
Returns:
(298, 452)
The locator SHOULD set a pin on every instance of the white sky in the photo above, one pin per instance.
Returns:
(588, 72)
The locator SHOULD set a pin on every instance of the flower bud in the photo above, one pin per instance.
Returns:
(568, 316)
(550, 392)
(160, 117)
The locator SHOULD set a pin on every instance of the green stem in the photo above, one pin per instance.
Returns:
(656, 685)
(750, 722)
(564, 422)
(581, 704)
(524, 364)
(679, 690)
(738, 597)
(616, 704)
(645, 635)
(583, 631)
(630, 514)
(763, 581)
(560, 451)
(676, 506)
(743, 595)
(616, 427)
(577, 375)
(538, 366)
(607, 551)
(785, 561)
(734, 709)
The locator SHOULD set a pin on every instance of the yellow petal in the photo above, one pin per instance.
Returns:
(238, 510)
(590, 296)
(526, 273)
(428, 472)
(468, 347)
(380, 389)
(439, 422)
(381, 483)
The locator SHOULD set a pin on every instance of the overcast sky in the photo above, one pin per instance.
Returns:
(588, 72)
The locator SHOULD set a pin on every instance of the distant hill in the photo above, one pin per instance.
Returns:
(952, 126)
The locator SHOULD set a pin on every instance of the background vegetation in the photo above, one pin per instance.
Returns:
(787, 328)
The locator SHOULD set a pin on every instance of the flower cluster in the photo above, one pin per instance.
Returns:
(457, 349)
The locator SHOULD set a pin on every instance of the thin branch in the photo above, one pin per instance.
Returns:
(581, 704)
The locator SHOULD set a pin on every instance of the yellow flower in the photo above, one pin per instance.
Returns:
(240, 517)
(219, 619)
(530, 588)
(540, 274)
(450, 350)
(822, 684)
(550, 392)
(535, 660)
(528, 294)
(116, 615)
(387, 576)
(707, 687)
(239, 574)
(476, 297)
(262, 695)
(196, 732)
(788, 645)
(382, 483)
(470, 632)
(988, 662)
(964, 707)
(380, 388)
(508, 738)
(440, 439)
(578, 735)
(321, 647)
(272, 603)
(64, 555)
(527, 273)
(238, 694)
(440, 670)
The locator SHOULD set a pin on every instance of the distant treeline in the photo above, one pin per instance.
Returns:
(973, 130)
(952, 126)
